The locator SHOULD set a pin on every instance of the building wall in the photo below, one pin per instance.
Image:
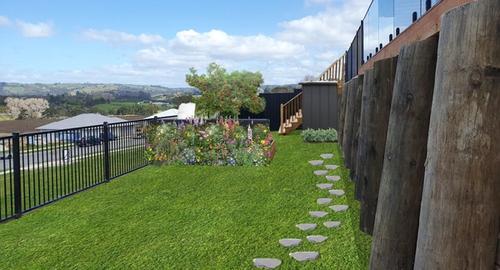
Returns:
(319, 103)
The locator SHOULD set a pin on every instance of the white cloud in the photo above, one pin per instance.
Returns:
(4, 21)
(317, 2)
(35, 30)
(117, 37)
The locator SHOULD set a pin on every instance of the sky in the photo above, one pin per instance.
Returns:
(156, 42)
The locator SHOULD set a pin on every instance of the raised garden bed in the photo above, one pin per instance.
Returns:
(223, 142)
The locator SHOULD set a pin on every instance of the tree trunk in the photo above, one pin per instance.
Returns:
(349, 121)
(366, 108)
(377, 122)
(400, 194)
(355, 128)
(459, 217)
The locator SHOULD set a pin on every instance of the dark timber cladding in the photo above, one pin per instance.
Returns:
(377, 122)
(341, 112)
(460, 212)
(355, 128)
(400, 194)
(350, 120)
(320, 105)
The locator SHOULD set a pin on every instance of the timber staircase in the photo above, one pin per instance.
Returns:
(291, 115)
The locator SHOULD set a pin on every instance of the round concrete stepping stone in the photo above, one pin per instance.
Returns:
(324, 200)
(331, 224)
(316, 162)
(333, 178)
(267, 263)
(306, 226)
(331, 167)
(320, 172)
(318, 214)
(339, 208)
(305, 256)
(326, 156)
(325, 186)
(290, 242)
(337, 192)
(316, 239)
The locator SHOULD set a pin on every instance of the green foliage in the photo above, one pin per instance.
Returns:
(224, 93)
(319, 135)
(222, 143)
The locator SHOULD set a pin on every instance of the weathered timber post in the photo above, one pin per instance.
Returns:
(366, 109)
(349, 121)
(341, 114)
(377, 122)
(400, 194)
(460, 211)
(355, 128)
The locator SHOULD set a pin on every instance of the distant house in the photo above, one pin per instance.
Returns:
(185, 111)
(70, 127)
(172, 113)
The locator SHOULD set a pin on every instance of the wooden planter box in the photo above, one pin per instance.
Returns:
(272, 150)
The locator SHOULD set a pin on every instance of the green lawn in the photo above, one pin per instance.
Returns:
(181, 217)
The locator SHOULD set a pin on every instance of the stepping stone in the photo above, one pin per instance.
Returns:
(316, 162)
(331, 224)
(305, 256)
(320, 172)
(316, 239)
(331, 167)
(324, 200)
(333, 178)
(290, 242)
(326, 156)
(339, 208)
(325, 186)
(267, 263)
(306, 226)
(337, 192)
(318, 214)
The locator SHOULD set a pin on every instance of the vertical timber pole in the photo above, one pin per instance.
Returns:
(400, 194)
(16, 158)
(460, 213)
(107, 169)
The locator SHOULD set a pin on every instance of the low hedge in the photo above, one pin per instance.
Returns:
(319, 135)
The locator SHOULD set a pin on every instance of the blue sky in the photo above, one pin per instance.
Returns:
(155, 42)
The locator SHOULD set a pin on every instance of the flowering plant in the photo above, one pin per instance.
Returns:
(224, 142)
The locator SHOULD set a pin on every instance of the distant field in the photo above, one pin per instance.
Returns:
(5, 117)
(113, 106)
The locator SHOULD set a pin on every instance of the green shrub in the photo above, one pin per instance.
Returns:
(319, 135)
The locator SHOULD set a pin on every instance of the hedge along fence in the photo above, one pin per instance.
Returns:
(460, 188)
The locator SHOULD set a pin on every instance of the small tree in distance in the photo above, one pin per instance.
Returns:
(225, 94)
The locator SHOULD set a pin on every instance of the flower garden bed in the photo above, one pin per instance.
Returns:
(224, 142)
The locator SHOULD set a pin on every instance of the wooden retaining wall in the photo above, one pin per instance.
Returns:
(427, 167)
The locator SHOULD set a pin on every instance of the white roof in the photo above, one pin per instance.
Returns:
(81, 120)
(167, 113)
(186, 110)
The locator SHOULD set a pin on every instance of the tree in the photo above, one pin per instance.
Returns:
(29, 108)
(224, 93)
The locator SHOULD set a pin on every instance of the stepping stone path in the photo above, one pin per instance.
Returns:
(324, 200)
(306, 226)
(332, 224)
(318, 214)
(290, 242)
(339, 208)
(316, 239)
(320, 172)
(333, 178)
(316, 162)
(325, 186)
(337, 192)
(305, 256)
(326, 156)
(331, 167)
(267, 263)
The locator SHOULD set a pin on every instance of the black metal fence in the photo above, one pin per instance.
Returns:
(43, 167)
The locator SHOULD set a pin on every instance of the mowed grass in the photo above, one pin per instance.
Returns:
(192, 217)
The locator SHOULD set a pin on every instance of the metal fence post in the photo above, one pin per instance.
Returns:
(105, 138)
(16, 156)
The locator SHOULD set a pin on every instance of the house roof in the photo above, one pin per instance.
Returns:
(167, 113)
(81, 120)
